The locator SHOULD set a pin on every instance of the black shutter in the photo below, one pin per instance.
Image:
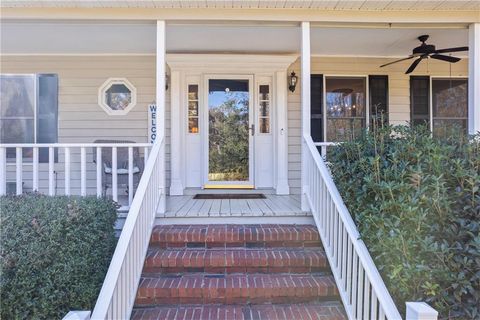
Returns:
(420, 100)
(378, 87)
(316, 107)
(47, 113)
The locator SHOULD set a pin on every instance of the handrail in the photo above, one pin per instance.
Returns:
(117, 296)
(362, 290)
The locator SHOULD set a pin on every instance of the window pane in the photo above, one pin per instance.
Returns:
(193, 125)
(118, 96)
(193, 108)
(47, 117)
(264, 125)
(346, 99)
(450, 98)
(264, 112)
(344, 129)
(17, 130)
(445, 128)
(192, 92)
(17, 96)
(264, 92)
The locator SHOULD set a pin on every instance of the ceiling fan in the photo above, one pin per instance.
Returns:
(425, 51)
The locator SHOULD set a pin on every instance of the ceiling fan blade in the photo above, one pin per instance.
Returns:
(445, 58)
(457, 49)
(414, 65)
(387, 64)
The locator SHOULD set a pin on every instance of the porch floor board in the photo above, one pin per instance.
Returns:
(273, 205)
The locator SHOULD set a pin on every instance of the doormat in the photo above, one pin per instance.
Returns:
(219, 196)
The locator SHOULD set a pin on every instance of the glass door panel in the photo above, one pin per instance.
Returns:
(228, 134)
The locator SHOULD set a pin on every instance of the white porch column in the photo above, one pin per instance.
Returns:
(160, 89)
(305, 84)
(160, 100)
(282, 133)
(176, 186)
(474, 78)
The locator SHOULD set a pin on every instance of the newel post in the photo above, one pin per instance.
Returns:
(420, 311)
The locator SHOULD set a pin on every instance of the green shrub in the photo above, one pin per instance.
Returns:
(54, 254)
(416, 202)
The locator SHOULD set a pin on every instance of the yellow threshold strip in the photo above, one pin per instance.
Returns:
(228, 186)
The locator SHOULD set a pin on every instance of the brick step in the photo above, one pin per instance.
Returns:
(235, 260)
(235, 289)
(231, 235)
(308, 311)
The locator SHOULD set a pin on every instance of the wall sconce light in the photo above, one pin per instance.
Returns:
(166, 81)
(292, 81)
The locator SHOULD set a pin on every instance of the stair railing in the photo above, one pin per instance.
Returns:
(117, 296)
(362, 290)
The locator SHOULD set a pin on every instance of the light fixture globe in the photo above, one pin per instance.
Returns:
(292, 81)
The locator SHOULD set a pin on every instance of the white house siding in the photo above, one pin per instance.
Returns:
(399, 93)
(81, 119)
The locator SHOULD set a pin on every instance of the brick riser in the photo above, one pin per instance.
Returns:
(236, 272)
(235, 289)
(236, 260)
(248, 236)
(308, 311)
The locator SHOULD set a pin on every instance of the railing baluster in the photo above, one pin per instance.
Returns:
(349, 271)
(374, 306)
(35, 170)
(67, 171)
(83, 172)
(360, 290)
(366, 298)
(99, 163)
(3, 171)
(354, 283)
(344, 257)
(381, 313)
(114, 175)
(51, 168)
(145, 156)
(130, 175)
(19, 170)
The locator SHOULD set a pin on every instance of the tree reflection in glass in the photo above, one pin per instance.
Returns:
(228, 103)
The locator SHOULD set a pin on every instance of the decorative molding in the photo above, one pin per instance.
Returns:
(106, 85)
(229, 63)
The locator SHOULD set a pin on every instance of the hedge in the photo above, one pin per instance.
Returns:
(54, 254)
(416, 202)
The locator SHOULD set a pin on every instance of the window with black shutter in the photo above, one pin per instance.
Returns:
(420, 100)
(378, 87)
(316, 107)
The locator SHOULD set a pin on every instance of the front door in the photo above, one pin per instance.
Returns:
(230, 131)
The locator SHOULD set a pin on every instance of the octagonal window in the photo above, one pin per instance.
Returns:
(117, 96)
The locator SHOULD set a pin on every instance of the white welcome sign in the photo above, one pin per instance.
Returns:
(152, 122)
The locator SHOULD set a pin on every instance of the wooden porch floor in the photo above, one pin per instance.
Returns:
(273, 205)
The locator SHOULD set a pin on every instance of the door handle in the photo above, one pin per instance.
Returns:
(252, 127)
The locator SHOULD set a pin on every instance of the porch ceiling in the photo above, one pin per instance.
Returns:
(93, 37)
(389, 5)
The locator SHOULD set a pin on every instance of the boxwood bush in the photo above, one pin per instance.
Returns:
(54, 254)
(416, 202)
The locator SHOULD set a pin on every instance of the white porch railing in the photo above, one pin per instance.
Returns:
(82, 175)
(361, 287)
(119, 289)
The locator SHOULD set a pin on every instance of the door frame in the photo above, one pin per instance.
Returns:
(250, 184)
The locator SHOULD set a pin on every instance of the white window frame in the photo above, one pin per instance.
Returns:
(430, 100)
(106, 85)
(324, 107)
(262, 81)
